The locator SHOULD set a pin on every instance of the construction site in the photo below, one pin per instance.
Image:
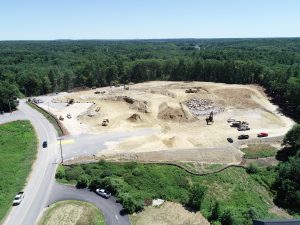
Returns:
(194, 120)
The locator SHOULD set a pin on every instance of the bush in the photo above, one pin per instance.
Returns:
(73, 172)
(60, 173)
(130, 203)
(82, 181)
(196, 194)
(252, 168)
(226, 218)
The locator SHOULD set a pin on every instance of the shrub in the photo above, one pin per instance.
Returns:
(226, 218)
(60, 173)
(252, 168)
(130, 203)
(74, 172)
(82, 181)
(196, 194)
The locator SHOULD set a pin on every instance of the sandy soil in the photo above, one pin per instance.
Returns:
(161, 105)
(168, 214)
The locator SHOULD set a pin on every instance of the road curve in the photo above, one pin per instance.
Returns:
(110, 209)
(41, 189)
(41, 178)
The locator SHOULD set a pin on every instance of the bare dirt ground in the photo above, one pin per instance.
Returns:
(168, 214)
(168, 109)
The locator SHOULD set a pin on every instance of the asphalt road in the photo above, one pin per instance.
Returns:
(41, 189)
(110, 209)
(41, 179)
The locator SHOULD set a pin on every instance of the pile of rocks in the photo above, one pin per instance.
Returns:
(202, 107)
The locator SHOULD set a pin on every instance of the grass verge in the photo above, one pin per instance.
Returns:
(246, 196)
(49, 117)
(18, 147)
(72, 212)
(254, 151)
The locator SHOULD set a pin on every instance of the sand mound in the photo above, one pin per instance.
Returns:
(140, 105)
(135, 118)
(179, 114)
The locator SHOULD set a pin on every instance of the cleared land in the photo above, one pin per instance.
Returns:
(18, 146)
(176, 117)
(72, 213)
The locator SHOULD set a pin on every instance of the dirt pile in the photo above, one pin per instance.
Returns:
(202, 107)
(134, 118)
(179, 114)
(163, 92)
(140, 105)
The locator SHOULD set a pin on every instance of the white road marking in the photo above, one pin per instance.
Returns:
(116, 217)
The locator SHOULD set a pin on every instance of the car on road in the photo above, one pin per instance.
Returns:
(243, 136)
(102, 192)
(19, 197)
(263, 134)
(45, 144)
(230, 140)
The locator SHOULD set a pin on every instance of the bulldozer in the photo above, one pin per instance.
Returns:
(210, 118)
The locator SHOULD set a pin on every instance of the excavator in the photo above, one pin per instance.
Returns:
(210, 118)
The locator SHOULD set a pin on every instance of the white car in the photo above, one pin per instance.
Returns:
(19, 197)
(103, 193)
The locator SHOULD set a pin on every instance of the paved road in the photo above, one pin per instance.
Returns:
(41, 179)
(110, 209)
(41, 189)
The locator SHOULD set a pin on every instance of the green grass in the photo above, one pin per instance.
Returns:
(18, 147)
(50, 118)
(234, 189)
(59, 211)
(254, 151)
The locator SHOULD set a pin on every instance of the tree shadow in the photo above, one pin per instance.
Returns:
(284, 154)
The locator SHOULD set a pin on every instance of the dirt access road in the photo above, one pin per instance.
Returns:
(177, 118)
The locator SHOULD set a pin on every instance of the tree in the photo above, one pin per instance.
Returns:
(196, 194)
(8, 94)
(292, 137)
(82, 181)
(226, 218)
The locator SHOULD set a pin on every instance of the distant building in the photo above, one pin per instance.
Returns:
(277, 222)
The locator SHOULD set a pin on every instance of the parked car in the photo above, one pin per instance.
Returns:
(103, 193)
(19, 197)
(45, 144)
(230, 140)
(243, 136)
(263, 134)
(243, 128)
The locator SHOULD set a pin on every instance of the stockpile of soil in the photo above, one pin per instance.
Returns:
(135, 118)
(142, 106)
(202, 107)
(174, 114)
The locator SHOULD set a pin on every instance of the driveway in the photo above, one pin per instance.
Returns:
(110, 209)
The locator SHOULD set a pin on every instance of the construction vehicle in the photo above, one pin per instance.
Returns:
(210, 118)
(105, 122)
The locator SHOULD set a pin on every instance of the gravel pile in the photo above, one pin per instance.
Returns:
(202, 107)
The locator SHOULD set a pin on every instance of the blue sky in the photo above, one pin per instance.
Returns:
(139, 19)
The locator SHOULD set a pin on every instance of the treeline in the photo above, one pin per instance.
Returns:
(36, 68)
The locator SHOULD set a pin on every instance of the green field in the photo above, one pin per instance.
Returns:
(72, 212)
(259, 151)
(18, 147)
(244, 195)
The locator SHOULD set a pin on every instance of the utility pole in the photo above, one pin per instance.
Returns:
(61, 155)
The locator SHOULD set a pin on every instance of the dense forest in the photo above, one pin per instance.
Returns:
(39, 67)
